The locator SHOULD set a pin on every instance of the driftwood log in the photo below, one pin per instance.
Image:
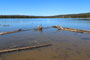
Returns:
(3, 33)
(73, 30)
(20, 30)
(23, 48)
(76, 30)
(64, 28)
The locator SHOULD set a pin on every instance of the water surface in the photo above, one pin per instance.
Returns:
(65, 45)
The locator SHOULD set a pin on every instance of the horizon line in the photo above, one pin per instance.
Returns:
(42, 15)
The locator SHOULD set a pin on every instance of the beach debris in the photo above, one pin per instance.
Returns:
(54, 26)
(60, 27)
(40, 27)
(24, 48)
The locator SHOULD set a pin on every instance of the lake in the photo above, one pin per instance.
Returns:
(66, 45)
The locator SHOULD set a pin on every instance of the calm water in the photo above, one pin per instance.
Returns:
(65, 45)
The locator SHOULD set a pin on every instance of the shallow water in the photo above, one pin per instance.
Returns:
(65, 45)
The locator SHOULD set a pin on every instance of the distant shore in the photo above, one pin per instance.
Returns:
(82, 15)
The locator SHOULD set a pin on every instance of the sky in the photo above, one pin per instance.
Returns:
(43, 7)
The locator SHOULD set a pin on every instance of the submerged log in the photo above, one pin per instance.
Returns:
(23, 48)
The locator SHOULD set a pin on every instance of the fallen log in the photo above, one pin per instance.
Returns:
(73, 30)
(76, 30)
(3, 33)
(64, 28)
(20, 30)
(23, 48)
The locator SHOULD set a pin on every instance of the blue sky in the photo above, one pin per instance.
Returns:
(43, 7)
